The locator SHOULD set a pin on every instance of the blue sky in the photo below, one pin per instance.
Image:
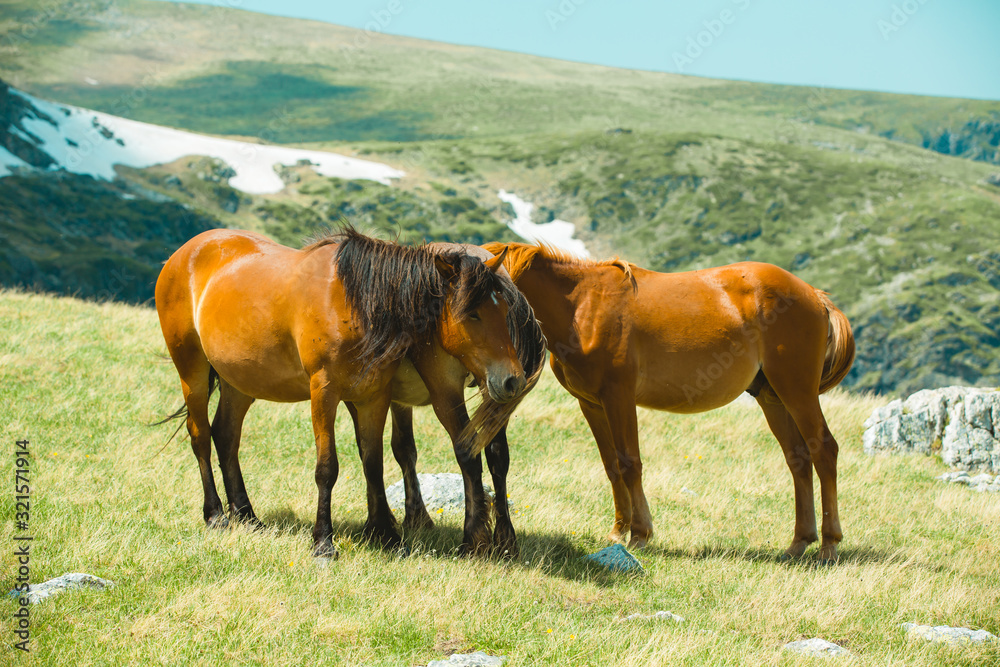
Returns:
(931, 47)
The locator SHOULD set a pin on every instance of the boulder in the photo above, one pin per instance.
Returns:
(955, 422)
(441, 491)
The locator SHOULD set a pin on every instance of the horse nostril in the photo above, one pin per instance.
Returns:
(512, 386)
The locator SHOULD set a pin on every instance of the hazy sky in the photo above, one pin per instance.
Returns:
(933, 47)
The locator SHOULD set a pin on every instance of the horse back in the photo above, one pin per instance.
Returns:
(266, 316)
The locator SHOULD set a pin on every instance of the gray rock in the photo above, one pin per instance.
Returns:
(954, 477)
(689, 492)
(616, 559)
(816, 647)
(983, 482)
(477, 659)
(658, 616)
(957, 422)
(71, 581)
(441, 491)
(949, 635)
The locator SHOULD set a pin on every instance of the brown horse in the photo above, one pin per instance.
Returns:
(428, 376)
(329, 323)
(623, 336)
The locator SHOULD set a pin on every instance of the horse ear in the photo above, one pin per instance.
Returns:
(447, 268)
(495, 263)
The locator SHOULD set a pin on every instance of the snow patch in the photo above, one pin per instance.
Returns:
(91, 142)
(8, 161)
(558, 233)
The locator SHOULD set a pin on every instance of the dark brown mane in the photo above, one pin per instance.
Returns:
(520, 256)
(398, 293)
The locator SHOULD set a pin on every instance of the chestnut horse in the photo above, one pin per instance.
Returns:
(623, 336)
(328, 323)
(428, 376)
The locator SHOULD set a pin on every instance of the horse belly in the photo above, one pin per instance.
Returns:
(695, 382)
(251, 351)
(408, 388)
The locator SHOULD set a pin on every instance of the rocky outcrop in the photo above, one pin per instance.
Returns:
(956, 422)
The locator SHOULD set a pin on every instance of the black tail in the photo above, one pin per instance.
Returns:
(182, 412)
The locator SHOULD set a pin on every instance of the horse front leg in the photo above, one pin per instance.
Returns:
(451, 412)
(620, 494)
(324, 402)
(498, 460)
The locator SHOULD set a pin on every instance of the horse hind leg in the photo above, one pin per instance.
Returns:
(799, 460)
(369, 427)
(195, 373)
(824, 449)
(404, 449)
(227, 428)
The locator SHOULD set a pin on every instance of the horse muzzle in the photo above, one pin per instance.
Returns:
(504, 387)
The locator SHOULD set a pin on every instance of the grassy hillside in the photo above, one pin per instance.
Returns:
(110, 498)
(671, 172)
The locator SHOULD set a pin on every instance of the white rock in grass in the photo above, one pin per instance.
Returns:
(73, 580)
(477, 659)
(441, 491)
(949, 635)
(658, 616)
(816, 647)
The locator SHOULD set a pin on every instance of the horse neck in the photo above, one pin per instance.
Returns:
(553, 289)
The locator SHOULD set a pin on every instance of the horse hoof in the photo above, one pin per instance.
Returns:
(325, 550)
(218, 522)
(418, 522)
(637, 543)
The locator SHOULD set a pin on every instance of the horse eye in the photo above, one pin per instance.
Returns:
(475, 316)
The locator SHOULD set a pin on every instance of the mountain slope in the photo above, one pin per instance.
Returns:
(668, 171)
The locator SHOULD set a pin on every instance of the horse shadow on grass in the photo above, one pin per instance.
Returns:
(553, 554)
(850, 555)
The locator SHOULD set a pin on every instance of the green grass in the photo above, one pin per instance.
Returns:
(109, 497)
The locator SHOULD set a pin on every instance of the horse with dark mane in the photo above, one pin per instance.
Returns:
(622, 336)
(329, 323)
(424, 378)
